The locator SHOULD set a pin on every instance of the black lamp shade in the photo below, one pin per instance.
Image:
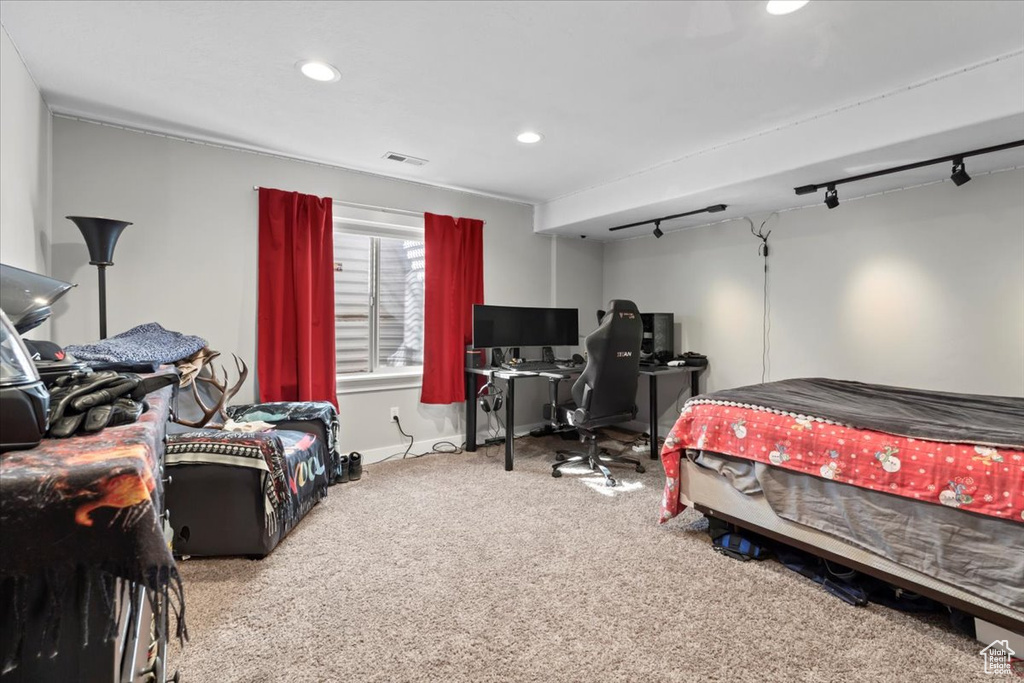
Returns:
(100, 236)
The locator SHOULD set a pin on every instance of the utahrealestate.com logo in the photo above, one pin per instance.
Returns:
(999, 658)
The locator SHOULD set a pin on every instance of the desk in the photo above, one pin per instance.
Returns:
(510, 377)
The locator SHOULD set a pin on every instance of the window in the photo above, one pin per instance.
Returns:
(378, 294)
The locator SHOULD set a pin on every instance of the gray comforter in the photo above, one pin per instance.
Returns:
(979, 554)
(933, 415)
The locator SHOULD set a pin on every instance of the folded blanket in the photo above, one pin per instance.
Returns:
(148, 343)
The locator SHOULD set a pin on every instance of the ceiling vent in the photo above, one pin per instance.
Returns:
(404, 159)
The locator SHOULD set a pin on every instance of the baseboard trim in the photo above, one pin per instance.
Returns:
(395, 452)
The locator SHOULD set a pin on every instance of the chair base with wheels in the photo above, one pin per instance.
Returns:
(596, 458)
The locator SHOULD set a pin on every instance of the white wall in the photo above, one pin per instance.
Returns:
(24, 165)
(922, 288)
(579, 276)
(189, 261)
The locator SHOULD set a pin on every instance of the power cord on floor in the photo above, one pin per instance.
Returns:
(437, 447)
(408, 436)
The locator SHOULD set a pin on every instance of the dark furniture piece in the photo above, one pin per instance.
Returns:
(241, 493)
(510, 376)
(605, 393)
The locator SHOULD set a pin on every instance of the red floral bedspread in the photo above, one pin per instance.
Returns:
(981, 479)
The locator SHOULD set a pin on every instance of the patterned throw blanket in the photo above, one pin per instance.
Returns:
(278, 454)
(258, 450)
(148, 343)
(84, 511)
(296, 411)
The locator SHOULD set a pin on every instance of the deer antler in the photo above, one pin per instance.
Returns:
(221, 385)
(243, 373)
(208, 413)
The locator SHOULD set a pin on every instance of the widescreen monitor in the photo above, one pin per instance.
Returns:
(505, 326)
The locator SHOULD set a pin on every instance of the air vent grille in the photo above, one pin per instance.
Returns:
(404, 159)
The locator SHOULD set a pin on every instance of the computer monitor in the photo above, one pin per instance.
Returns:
(505, 326)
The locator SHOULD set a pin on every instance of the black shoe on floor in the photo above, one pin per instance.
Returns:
(346, 466)
(355, 465)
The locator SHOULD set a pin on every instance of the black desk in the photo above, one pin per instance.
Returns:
(510, 377)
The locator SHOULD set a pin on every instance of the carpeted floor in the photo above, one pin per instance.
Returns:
(448, 568)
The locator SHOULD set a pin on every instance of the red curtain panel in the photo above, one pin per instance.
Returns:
(295, 321)
(454, 282)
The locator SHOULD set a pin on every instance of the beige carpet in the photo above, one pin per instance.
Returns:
(448, 568)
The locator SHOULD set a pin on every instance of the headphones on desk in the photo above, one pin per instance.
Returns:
(493, 392)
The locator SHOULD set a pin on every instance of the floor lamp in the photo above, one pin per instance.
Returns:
(101, 237)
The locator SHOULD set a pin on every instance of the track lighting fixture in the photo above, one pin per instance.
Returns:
(658, 232)
(959, 176)
(831, 197)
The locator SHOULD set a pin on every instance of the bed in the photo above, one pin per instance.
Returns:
(924, 490)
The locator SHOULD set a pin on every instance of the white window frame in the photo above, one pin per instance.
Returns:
(371, 222)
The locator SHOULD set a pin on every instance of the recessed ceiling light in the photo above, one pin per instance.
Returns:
(778, 7)
(529, 137)
(319, 71)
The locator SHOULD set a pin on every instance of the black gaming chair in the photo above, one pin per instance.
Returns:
(605, 394)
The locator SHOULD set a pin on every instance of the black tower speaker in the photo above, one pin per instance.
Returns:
(658, 339)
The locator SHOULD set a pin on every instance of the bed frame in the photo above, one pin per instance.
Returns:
(711, 494)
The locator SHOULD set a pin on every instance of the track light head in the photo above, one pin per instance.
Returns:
(959, 176)
(831, 197)
(657, 230)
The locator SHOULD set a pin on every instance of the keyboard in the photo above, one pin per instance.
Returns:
(531, 366)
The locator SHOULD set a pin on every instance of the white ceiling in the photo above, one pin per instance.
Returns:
(619, 89)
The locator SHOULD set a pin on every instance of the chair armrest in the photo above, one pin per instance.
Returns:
(587, 391)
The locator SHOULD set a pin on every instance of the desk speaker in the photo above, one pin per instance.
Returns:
(476, 358)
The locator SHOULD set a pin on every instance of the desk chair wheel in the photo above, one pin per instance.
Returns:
(610, 482)
(560, 455)
(556, 473)
(640, 469)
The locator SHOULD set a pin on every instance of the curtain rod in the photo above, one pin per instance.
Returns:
(371, 207)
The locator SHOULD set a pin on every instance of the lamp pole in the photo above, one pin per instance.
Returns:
(101, 269)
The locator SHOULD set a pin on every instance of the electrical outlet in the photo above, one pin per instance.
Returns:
(394, 413)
